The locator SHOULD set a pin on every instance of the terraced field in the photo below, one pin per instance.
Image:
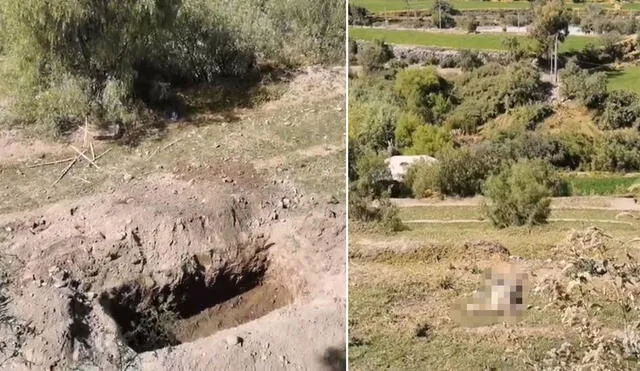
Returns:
(456, 40)
(397, 5)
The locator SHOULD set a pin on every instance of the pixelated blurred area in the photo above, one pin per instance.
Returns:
(501, 297)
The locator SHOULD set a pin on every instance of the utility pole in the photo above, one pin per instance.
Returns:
(555, 60)
(439, 14)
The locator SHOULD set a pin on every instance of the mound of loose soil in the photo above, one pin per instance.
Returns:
(169, 274)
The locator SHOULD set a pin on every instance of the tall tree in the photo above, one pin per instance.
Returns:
(550, 21)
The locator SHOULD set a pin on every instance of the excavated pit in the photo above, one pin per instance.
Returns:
(197, 304)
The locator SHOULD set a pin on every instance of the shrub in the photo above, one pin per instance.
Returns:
(383, 217)
(470, 24)
(460, 173)
(374, 55)
(520, 195)
(408, 123)
(468, 60)
(418, 87)
(429, 140)
(577, 83)
(441, 14)
(372, 175)
(621, 109)
(609, 41)
(618, 151)
(108, 57)
(360, 16)
(423, 179)
(515, 52)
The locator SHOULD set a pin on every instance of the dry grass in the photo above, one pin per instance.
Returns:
(213, 142)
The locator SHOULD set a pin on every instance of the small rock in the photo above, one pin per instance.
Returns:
(8, 229)
(91, 295)
(273, 215)
(127, 177)
(332, 200)
(330, 214)
(234, 340)
(285, 203)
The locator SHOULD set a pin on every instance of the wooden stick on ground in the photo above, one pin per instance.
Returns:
(102, 154)
(93, 153)
(51, 163)
(85, 157)
(66, 170)
(163, 148)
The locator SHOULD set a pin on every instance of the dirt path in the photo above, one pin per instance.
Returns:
(462, 221)
(565, 203)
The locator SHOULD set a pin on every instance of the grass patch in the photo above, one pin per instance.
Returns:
(608, 185)
(398, 5)
(627, 79)
(457, 41)
(471, 212)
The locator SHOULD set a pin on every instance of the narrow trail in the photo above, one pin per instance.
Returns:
(564, 203)
(465, 221)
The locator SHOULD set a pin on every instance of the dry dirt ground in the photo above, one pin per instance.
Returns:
(220, 245)
(405, 289)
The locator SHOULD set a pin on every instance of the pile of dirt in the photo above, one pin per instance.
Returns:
(172, 267)
(487, 248)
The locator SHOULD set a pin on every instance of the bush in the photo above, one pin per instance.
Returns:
(520, 195)
(470, 24)
(418, 88)
(468, 60)
(618, 151)
(423, 179)
(111, 60)
(576, 83)
(382, 217)
(460, 173)
(429, 140)
(609, 41)
(372, 175)
(408, 123)
(621, 109)
(515, 52)
(441, 14)
(374, 55)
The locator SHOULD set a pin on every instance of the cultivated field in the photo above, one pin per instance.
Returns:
(396, 5)
(404, 288)
(456, 40)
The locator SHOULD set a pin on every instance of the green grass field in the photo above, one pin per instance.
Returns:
(456, 41)
(397, 5)
(629, 79)
(599, 185)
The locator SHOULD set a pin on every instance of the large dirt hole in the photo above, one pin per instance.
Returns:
(153, 316)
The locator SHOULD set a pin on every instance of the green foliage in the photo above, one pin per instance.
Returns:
(461, 173)
(373, 112)
(468, 60)
(407, 125)
(490, 90)
(429, 140)
(470, 23)
(383, 217)
(442, 14)
(374, 55)
(618, 151)
(609, 41)
(576, 83)
(516, 121)
(550, 20)
(418, 89)
(515, 51)
(520, 195)
(621, 109)
(68, 61)
(423, 179)
(372, 175)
